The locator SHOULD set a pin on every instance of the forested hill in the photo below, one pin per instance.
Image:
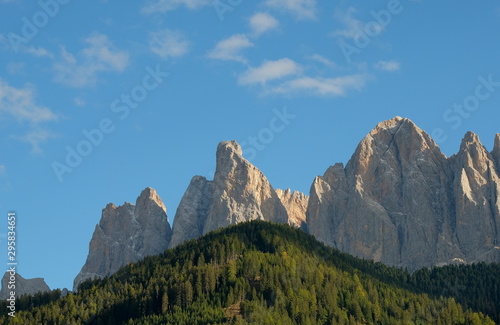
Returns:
(263, 273)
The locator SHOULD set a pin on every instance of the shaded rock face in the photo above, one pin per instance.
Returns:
(400, 201)
(192, 213)
(496, 152)
(126, 234)
(239, 192)
(23, 286)
(295, 204)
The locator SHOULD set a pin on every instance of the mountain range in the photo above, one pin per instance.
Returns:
(399, 200)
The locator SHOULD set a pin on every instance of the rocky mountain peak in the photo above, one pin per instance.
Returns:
(230, 155)
(400, 129)
(393, 147)
(149, 196)
(23, 286)
(473, 155)
(471, 140)
(393, 123)
(399, 200)
(126, 234)
(477, 203)
(229, 148)
(239, 192)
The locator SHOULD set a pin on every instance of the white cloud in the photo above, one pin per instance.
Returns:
(161, 6)
(229, 49)
(262, 22)
(321, 59)
(38, 52)
(35, 137)
(168, 43)
(270, 70)
(100, 55)
(353, 27)
(302, 9)
(322, 86)
(19, 103)
(390, 66)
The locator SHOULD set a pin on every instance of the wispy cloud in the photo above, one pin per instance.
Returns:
(289, 78)
(352, 26)
(389, 66)
(19, 103)
(229, 49)
(168, 43)
(301, 9)
(162, 6)
(38, 52)
(99, 55)
(35, 138)
(321, 59)
(262, 22)
(322, 86)
(270, 70)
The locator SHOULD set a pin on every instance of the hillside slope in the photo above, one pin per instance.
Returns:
(251, 273)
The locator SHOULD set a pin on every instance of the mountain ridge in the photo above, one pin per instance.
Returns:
(398, 200)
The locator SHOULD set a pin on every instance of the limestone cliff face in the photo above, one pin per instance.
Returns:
(126, 234)
(191, 215)
(295, 204)
(239, 192)
(327, 193)
(23, 286)
(400, 201)
(477, 207)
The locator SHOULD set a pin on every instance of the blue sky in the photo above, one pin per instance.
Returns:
(143, 91)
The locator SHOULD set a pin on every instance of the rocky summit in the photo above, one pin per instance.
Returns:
(22, 286)
(239, 192)
(126, 234)
(401, 201)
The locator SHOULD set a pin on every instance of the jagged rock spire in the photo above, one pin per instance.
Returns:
(126, 234)
(239, 192)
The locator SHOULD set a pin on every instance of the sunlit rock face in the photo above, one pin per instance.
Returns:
(402, 202)
(126, 234)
